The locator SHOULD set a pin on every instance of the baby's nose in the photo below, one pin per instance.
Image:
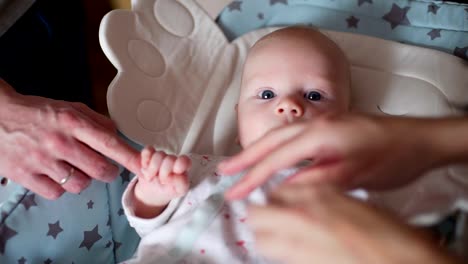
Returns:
(290, 107)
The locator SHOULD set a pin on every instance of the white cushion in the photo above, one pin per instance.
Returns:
(178, 77)
(178, 82)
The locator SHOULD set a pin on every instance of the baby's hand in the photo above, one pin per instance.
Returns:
(163, 177)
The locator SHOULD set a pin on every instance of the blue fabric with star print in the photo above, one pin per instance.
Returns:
(434, 24)
(87, 228)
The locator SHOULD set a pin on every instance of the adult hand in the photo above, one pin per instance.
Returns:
(307, 223)
(351, 151)
(44, 141)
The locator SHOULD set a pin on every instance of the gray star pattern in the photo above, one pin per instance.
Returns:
(54, 230)
(461, 52)
(260, 16)
(125, 175)
(29, 201)
(273, 2)
(48, 261)
(90, 237)
(109, 221)
(352, 22)
(235, 5)
(432, 8)
(109, 244)
(360, 2)
(22, 260)
(90, 204)
(117, 245)
(120, 212)
(397, 16)
(435, 33)
(5, 234)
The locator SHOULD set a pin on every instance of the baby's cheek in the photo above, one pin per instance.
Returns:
(253, 133)
(327, 108)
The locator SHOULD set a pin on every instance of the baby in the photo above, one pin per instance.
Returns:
(176, 203)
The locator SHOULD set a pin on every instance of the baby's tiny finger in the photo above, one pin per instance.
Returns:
(146, 154)
(182, 164)
(180, 183)
(155, 164)
(166, 168)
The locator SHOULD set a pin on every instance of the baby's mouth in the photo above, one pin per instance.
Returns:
(291, 119)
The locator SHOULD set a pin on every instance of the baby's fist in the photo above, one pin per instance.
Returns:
(159, 164)
(163, 177)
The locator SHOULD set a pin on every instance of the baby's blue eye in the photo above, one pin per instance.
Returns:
(267, 94)
(313, 96)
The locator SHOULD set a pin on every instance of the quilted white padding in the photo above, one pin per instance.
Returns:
(178, 77)
(178, 82)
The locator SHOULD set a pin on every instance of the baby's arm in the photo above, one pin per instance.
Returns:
(162, 178)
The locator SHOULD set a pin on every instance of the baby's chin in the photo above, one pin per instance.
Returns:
(247, 142)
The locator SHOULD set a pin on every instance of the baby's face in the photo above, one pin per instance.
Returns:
(290, 79)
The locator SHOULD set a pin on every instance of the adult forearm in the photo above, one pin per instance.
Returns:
(448, 139)
(6, 91)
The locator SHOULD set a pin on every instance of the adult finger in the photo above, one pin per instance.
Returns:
(278, 159)
(68, 177)
(332, 174)
(110, 145)
(88, 161)
(297, 195)
(303, 235)
(96, 117)
(271, 244)
(259, 149)
(266, 218)
(278, 247)
(41, 185)
(331, 206)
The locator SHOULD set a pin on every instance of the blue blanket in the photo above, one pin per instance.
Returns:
(434, 24)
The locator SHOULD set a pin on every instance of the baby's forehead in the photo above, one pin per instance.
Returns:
(293, 48)
(291, 36)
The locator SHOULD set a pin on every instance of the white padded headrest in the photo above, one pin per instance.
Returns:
(178, 77)
(178, 82)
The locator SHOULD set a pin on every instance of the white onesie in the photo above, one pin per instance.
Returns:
(203, 228)
(199, 227)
